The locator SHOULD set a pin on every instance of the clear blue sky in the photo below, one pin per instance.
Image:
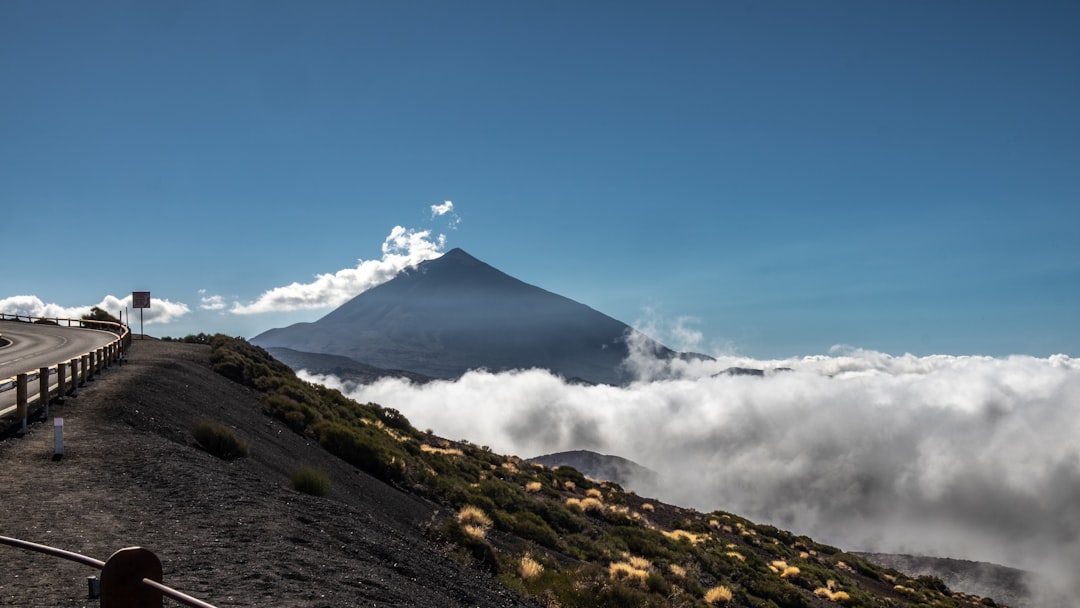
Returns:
(789, 175)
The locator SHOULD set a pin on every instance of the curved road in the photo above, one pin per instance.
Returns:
(36, 345)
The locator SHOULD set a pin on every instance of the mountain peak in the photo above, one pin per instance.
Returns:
(455, 313)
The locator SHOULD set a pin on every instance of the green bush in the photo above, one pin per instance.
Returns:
(219, 440)
(309, 480)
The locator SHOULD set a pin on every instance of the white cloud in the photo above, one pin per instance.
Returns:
(161, 310)
(443, 209)
(965, 457)
(402, 249)
(211, 302)
(446, 209)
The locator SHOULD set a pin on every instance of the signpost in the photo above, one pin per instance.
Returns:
(140, 300)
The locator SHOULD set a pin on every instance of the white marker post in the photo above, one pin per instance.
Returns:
(58, 437)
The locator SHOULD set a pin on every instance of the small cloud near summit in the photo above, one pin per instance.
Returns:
(444, 210)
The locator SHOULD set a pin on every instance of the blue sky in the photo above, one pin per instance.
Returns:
(772, 178)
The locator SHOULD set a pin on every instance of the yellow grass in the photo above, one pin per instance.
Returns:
(640, 563)
(718, 594)
(789, 572)
(677, 570)
(474, 531)
(571, 486)
(648, 507)
(622, 570)
(533, 486)
(594, 493)
(592, 504)
(430, 449)
(678, 535)
(736, 555)
(835, 596)
(529, 568)
(474, 516)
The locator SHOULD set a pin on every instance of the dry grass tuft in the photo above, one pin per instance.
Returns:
(789, 572)
(624, 571)
(570, 486)
(475, 531)
(677, 570)
(594, 493)
(677, 535)
(529, 568)
(640, 563)
(835, 596)
(648, 507)
(474, 516)
(533, 486)
(736, 555)
(717, 595)
(430, 449)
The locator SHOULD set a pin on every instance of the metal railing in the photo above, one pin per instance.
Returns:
(80, 369)
(130, 578)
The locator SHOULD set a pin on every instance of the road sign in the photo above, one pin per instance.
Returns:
(140, 299)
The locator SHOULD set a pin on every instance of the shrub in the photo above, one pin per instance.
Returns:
(624, 571)
(533, 487)
(219, 440)
(529, 568)
(718, 594)
(310, 480)
(474, 515)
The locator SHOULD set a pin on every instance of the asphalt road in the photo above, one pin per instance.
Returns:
(35, 345)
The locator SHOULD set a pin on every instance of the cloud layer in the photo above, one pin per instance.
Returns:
(965, 457)
(160, 311)
(402, 248)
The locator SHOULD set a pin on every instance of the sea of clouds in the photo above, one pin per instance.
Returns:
(953, 456)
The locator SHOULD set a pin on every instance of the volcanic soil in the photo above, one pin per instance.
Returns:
(231, 533)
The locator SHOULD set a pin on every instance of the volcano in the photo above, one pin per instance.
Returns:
(444, 317)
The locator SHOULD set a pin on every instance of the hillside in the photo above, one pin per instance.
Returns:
(451, 524)
(230, 533)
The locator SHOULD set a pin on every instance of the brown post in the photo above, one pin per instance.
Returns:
(61, 381)
(122, 576)
(75, 382)
(43, 388)
(20, 399)
(87, 369)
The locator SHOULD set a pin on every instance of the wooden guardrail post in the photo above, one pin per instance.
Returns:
(75, 377)
(89, 362)
(122, 576)
(20, 399)
(43, 389)
(61, 381)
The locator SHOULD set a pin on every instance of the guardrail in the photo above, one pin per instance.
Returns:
(131, 578)
(81, 369)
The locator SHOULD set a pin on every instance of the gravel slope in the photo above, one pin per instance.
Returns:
(229, 533)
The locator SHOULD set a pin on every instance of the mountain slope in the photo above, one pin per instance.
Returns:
(231, 533)
(456, 313)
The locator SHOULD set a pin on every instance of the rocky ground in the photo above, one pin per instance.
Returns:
(229, 533)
